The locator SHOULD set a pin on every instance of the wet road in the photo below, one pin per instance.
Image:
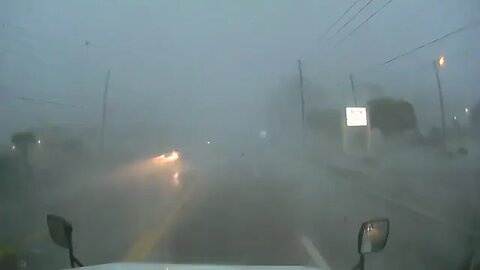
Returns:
(235, 211)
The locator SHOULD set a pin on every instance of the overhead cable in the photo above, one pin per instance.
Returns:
(454, 32)
(351, 19)
(371, 16)
(339, 18)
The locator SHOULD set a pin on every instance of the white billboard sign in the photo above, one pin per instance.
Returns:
(356, 116)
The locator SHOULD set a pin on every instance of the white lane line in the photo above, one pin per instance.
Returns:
(441, 219)
(314, 254)
(457, 226)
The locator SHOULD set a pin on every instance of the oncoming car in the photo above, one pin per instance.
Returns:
(169, 162)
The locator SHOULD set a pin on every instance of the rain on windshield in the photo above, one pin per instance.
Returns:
(240, 132)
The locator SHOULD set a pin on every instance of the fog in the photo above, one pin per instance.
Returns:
(205, 62)
(218, 81)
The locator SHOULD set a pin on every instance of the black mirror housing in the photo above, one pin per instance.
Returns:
(373, 235)
(60, 231)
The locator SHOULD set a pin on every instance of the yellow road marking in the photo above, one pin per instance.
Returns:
(147, 241)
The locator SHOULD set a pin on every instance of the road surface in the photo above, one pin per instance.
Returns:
(243, 210)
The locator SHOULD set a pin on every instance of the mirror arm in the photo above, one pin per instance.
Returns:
(70, 248)
(73, 260)
(361, 263)
(77, 262)
(71, 257)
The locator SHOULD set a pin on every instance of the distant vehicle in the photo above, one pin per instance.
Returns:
(24, 140)
(167, 158)
(170, 162)
(15, 146)
(22, 145)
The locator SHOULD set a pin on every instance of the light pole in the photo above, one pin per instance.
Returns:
(302, 99)
(440, 62)
(104, 111)
(352, 84)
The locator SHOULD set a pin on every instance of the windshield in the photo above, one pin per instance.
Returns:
(240, 132)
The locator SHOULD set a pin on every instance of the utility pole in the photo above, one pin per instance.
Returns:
(440, 97)
(104, 110)
(300, 74)
(352, 84)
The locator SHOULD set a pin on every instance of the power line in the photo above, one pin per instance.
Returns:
(339, 18)
(456, 31)
(371, 16)
(351, 19)
(23, 98)
(47, 102)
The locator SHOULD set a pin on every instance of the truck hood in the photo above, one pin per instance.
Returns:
(152, 266)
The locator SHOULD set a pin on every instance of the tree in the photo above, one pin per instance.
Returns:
(475, 120)
(391, 117)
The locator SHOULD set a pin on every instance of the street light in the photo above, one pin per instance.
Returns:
(441, 61)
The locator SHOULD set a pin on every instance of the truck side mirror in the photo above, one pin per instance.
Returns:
(61, 233)
(372, 237)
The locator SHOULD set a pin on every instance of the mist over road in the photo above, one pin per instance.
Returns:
(249, 209)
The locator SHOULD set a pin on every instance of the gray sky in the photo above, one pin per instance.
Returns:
(193, 62)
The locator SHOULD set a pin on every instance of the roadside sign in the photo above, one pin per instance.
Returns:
(356, 116)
